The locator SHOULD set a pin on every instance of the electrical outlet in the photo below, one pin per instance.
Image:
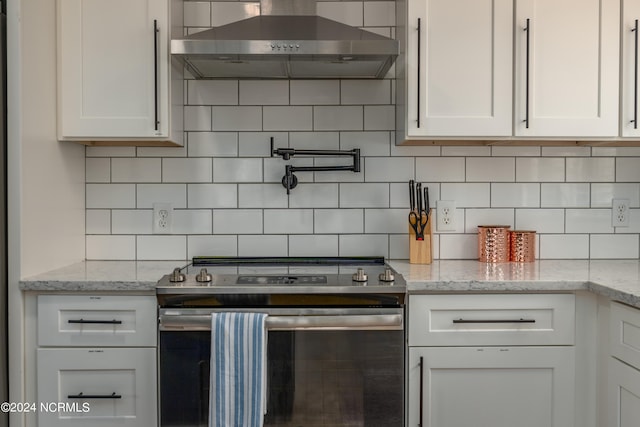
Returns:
(620, 212)
(445, 215)
(162, 218)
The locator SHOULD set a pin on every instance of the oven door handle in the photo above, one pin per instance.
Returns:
(189, 322)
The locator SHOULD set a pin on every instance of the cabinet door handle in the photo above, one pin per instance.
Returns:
(156, 32)
(526, 78)
(421, 390)
(419, 76)
(494, 321)
(81, 395)
(96, 322)
(635, 76)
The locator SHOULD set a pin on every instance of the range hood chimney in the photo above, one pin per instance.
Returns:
(289, 41)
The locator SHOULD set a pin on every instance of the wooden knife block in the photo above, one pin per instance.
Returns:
(420, 250)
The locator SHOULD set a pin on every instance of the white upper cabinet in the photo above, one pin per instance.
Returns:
(114, 72)
(566, 68)
(459, 67)
(630, 38)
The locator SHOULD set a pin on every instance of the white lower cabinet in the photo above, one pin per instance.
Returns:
(491, 386)
(491, 360)
(97, 387)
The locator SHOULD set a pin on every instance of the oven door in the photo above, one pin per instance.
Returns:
(325, 367)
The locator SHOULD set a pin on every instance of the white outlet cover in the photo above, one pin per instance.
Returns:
(620, 213)
(162, 218)
(445, 215)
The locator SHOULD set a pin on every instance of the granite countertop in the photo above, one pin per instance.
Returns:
(616, 279)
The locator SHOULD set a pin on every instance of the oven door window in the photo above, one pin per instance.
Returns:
(315, 378)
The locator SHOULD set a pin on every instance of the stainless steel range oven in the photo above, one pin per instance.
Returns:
(336, 339)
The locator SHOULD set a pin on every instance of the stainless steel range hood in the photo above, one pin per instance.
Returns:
(287, 41)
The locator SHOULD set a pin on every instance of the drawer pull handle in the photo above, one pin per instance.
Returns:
(94, 322)
(94, 396)
(495, 321)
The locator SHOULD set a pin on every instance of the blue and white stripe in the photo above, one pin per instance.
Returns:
(238, 370)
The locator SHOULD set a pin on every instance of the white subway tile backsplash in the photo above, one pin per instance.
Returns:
(588, 221)
(615, 151)
(237, 221)
(311, 245)
(458, 246)
(365, 92)
(197, 14)
(564, 195)
(415, 150)
(225, 12)
(162, 151)
(512, 151)
(475, 217)
(465, 151)
(315, 92)
(135, 169)
(312, 195)
(369, 143)
(110, 151)
(264, 92)
(347, 12)
(288, 118)
(257, 144)
(148, 194)
(440, 169)
(126, 221)
(387, 221)
(197, 118)
(540, 169)
(213, 144)
(338, 118)
(262, 196)
(517, 195)
(288, 221)
(388, 169)
(212, 92)
(186, 170)
(215, 245)
(191, 221)
(380, 14)
(614, 246)
(399, 247)
(338, 221)
(364, 245)
(236, 118)
(111, 248)
(314, 140)
(365, 195)
(566, 151)
(110, 196)
(628, 169)
(490, 169)
(472, 195)
(591, 169)
(262, 245)
(97, 169)
(237, 170)
(564, 246)
(202, 196)
(603, 194)
(549, 221)
(379, 117)
(161, 248)
(98, 221)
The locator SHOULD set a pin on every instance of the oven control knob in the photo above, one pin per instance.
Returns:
(176, 276)
(387, 276)
(203, 276)
(359, 276)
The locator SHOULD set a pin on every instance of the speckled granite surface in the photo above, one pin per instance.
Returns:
(616, 279)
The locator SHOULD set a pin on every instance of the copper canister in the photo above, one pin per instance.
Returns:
(493, 243)
(523, 246)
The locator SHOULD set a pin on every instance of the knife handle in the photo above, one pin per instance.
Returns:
(426, 200)
(419, 196)
(412, 195)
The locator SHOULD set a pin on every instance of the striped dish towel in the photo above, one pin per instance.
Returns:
(237, 396)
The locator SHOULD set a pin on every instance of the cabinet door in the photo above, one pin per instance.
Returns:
(459, 68)
(113, 69)
(97, 387)
(491, 386)
(630, 38)
(623, 395)
(567, 56)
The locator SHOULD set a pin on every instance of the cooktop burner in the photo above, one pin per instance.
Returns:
(237, 275)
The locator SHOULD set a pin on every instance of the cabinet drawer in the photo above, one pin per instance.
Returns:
(93, 320)
(97, 387)
(625, 333)
(505, 319)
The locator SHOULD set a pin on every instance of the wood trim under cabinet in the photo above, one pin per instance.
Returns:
(516, 142)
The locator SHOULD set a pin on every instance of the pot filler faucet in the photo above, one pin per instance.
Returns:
(290, 181)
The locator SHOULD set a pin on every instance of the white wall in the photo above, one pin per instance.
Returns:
(228, 198)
